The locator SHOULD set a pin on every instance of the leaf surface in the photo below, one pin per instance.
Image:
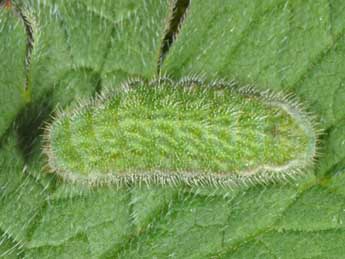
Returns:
(86, 46)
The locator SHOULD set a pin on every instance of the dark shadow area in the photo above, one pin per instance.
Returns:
(29, 124)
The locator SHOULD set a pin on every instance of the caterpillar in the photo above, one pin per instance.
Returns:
(187, 131)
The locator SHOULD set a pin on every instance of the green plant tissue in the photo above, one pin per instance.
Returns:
(79, 48)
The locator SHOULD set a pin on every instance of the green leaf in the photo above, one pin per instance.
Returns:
(12, 52)
(85, 46)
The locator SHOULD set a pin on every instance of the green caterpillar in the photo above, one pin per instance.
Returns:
(188, 132)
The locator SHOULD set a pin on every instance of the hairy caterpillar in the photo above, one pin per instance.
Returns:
(187, 131)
